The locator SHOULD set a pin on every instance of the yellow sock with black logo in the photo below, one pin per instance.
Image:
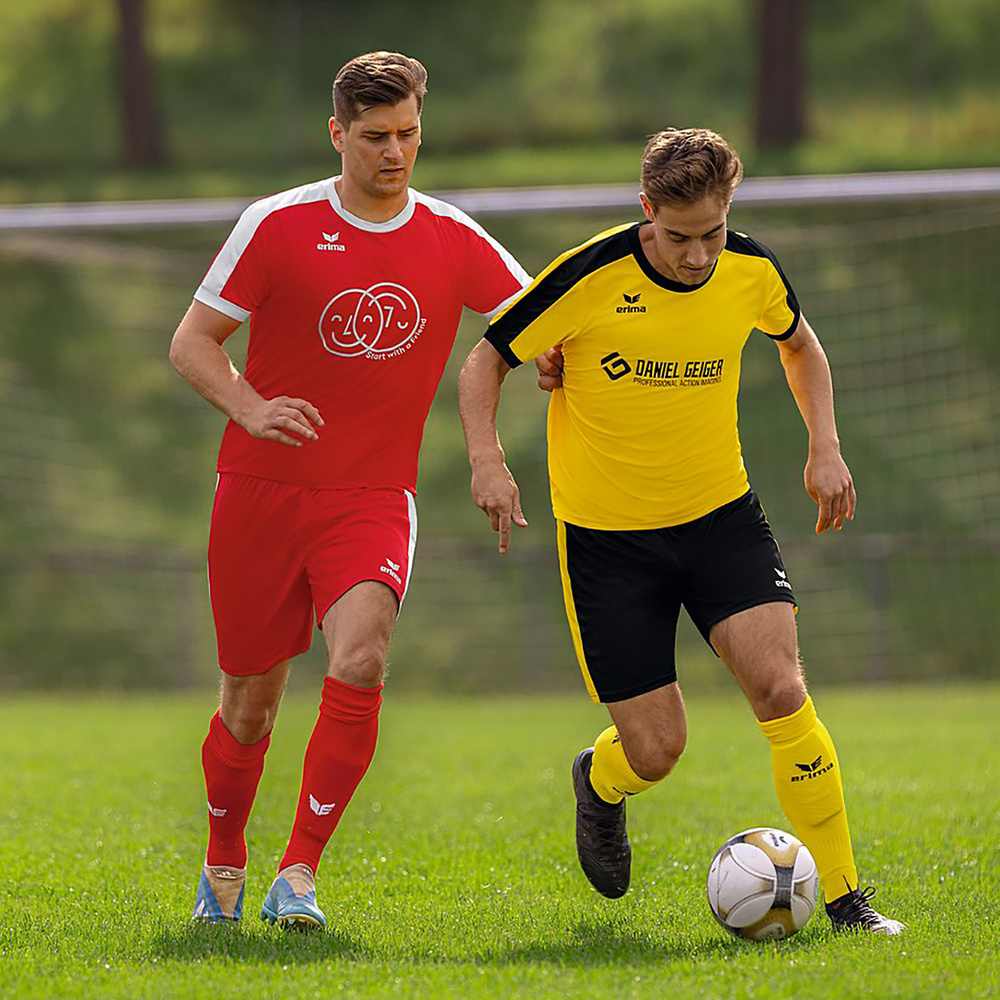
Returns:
(807, 777)
(611, 775)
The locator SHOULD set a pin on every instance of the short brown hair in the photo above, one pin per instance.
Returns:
(375, 79)
(684, 165)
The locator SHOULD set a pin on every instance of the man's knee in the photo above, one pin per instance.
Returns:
(250, 704)
(362, 665)
(653, 755)
(779, 694)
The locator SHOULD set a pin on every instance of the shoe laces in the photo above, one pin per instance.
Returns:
(609, 825)
(856, 909)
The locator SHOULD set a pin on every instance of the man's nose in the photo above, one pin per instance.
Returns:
(697, 254)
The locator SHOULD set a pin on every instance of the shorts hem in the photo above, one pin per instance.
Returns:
(664, 680)
(351, 586)
(263, 667)
(744, 606)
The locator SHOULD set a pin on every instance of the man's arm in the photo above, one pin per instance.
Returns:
(197, 355)
(827, 479)
(493, 488)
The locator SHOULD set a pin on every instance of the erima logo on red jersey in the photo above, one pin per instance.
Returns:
(331, 243)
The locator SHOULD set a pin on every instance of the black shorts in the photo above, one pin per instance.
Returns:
(624, 590)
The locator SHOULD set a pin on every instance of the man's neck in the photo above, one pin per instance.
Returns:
(648, 243)
(367, 207)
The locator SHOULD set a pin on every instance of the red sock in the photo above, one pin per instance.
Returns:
(232, 773)
(339, 752)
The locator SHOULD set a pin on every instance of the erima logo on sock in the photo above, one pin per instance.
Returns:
(320, 808)
(813, 770)
(216, 812)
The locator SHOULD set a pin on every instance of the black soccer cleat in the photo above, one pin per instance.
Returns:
(854, 912)
(601, 837)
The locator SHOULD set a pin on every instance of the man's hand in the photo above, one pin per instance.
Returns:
(271, 418)
(550, 369)
(495, 493)
(828, 481)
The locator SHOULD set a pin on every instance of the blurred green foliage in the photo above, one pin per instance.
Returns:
(108, 464)
(245, 84)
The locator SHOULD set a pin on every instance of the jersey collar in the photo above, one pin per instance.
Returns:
(647, 269)
(396, 222)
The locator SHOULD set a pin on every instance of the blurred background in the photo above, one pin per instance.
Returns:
(107, 458)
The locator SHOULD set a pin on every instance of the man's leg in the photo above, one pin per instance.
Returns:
(636, 753)
(357, 630)
(760, 648)
(233, 761)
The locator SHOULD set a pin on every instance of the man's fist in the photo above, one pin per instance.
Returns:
(550, 367)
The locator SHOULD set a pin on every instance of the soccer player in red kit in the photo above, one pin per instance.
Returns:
(353, 287)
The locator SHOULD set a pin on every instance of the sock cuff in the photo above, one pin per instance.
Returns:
(791, 728)
(229, 749)
(348, 703)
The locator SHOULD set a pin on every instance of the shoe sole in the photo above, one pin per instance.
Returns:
(291, 921)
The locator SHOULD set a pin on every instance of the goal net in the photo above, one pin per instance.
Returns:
(108, 461)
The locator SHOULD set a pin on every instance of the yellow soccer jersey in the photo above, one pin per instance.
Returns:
(643, 433)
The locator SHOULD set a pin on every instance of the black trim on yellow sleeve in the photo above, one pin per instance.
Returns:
(548, 289)
(741, 243)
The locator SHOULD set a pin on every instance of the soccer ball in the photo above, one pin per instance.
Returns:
(762, 884)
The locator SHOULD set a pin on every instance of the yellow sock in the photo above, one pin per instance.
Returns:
(611, 775)
(807, 776)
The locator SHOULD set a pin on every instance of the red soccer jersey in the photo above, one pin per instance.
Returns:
(356, 317)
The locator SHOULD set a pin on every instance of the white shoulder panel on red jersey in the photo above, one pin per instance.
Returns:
(442, 208)
(239, 239)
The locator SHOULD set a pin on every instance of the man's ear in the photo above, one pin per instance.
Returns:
(337, 135)
(647, 208)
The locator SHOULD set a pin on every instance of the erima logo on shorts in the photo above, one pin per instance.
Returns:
(391, 569)
(781, 581)
(320, 808)
(331, 242)
(813, 770)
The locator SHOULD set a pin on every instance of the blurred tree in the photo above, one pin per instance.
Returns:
(142, 131)
(780, 116)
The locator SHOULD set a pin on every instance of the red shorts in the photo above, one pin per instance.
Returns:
(277, 554)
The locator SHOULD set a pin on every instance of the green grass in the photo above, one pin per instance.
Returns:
(453, 873)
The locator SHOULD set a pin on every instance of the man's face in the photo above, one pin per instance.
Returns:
(689, 238)
(380, 147)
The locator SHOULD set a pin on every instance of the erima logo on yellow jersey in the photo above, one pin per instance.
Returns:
(632, 304)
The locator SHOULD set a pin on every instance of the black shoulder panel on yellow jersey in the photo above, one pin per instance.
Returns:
(741, 243)
(505, 329)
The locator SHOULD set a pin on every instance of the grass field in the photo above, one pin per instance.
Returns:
(453, 873)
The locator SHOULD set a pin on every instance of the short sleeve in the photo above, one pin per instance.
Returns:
(780, 314)
(546, 313)
(237, 282)
(493, 277)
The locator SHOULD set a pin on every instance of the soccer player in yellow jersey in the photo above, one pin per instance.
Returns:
(645, 325)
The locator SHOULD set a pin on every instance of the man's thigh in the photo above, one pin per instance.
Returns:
(356, 536)
(622, 606)
(260, 593)
(731, 563)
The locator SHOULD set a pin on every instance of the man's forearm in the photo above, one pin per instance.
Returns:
(807, 372)
(206, 366)
(478, 401)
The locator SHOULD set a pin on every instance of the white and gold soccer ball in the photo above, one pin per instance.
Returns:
(763, 884)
